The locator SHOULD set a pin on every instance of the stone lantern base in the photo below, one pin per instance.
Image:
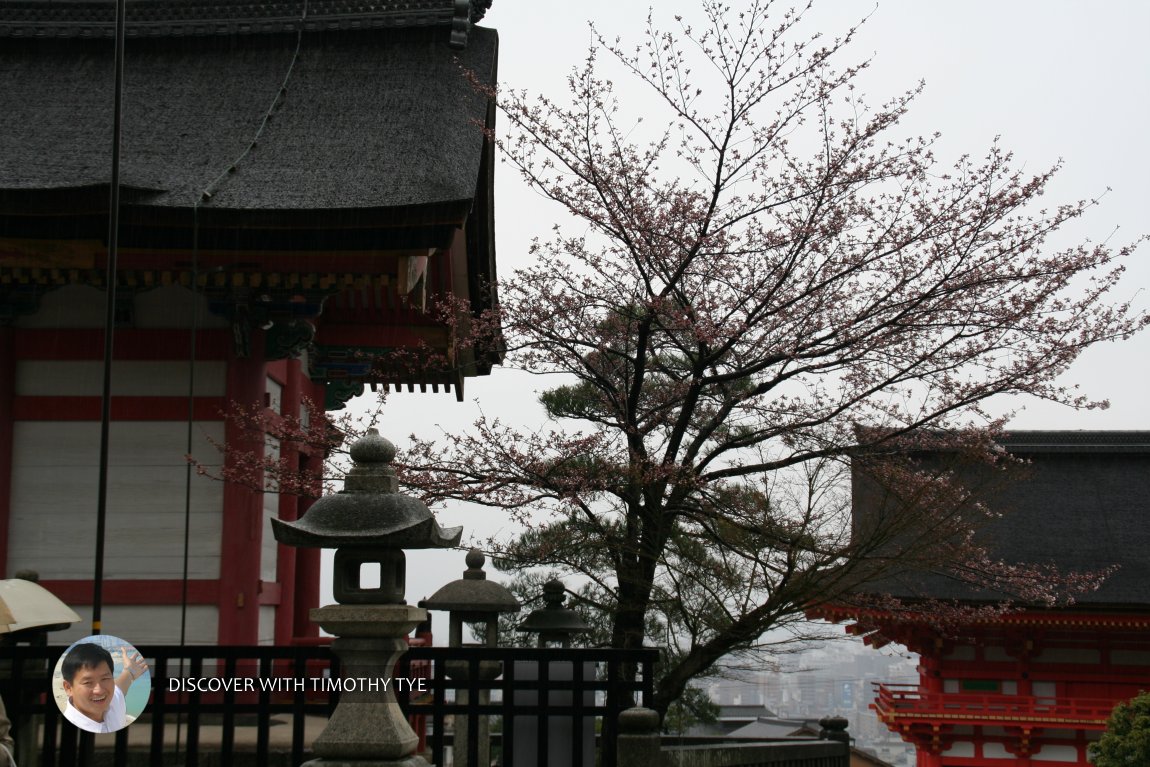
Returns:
(411, 761)
(367, 728)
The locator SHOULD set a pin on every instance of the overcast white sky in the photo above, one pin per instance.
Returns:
(1054, 78)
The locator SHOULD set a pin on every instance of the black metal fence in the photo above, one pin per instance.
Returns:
(582, 691)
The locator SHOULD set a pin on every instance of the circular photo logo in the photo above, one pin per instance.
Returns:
(101, 683)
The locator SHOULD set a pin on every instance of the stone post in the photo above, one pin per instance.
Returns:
(834, 728)
(639, 741)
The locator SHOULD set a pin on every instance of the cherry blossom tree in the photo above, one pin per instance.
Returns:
(773, 285)
(266, 457)
(765, 284)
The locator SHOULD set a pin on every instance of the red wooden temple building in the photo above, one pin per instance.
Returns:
(301, 180)
(1033, 687)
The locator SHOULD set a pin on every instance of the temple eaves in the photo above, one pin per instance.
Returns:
(186, 18)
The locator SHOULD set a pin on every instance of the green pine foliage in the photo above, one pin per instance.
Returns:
(1126, 742)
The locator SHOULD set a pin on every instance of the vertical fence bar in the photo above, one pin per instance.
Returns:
(67, 751)
(438, 714)
(159, 711)
(192, 741)
(542, 721)
(609, 731)
(228, 732)
(120, 757)
(299, 698)
(507, 741)
(48, 752)
(472, 715)
(263, 717)
(577, 685)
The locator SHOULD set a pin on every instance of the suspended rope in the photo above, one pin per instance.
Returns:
(277, 100)
(109, 322)
(190, 425)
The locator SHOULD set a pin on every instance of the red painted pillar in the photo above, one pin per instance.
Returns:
(930, 679)
(7, 395)
(239, 604)
(288, 510)
(307, 566)
(307, 563)
(1025, 683)
(930, 669)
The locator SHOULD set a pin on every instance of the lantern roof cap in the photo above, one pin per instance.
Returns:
(473, 593)
(369, 512)
(553, 617)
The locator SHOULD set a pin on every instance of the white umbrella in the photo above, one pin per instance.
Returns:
(28, 605)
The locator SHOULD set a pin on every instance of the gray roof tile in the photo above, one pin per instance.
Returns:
(174, 18)
(1081, 502)
(380, 119)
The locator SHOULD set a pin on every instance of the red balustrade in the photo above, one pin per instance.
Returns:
(901, 704)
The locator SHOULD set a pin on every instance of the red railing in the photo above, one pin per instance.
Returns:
(900, 704)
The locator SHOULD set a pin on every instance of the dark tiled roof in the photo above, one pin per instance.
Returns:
(369, 120)
(1028, 442)
(1081, 502)
(768, 727)
(167, 18)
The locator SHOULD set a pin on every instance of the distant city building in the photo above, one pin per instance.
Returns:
(795, 690)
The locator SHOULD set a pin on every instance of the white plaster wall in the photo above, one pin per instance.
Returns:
(267, 629)
(960, 749)
(275, 395)
(145, 624)
(994, 653)
(1068, 655)
(173, 306)
(82, 306)
(961, 652)
(83, 378)
(269, 550)
(54, 488)
(1130, 657)
(1057, 753)
(997, 751)
(72, 306)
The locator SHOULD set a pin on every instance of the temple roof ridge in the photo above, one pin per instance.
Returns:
(182, 18)
(1069, 440)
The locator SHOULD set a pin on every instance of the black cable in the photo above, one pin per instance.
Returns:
(277, 100)
(109, 322)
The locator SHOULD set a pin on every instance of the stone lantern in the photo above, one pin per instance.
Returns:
(553, 622)
(555, 625)
(473, 599)
(368, 522)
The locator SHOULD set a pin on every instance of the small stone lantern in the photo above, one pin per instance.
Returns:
(369, 521)
(473, 599)
(555, 625)
(553, 622)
